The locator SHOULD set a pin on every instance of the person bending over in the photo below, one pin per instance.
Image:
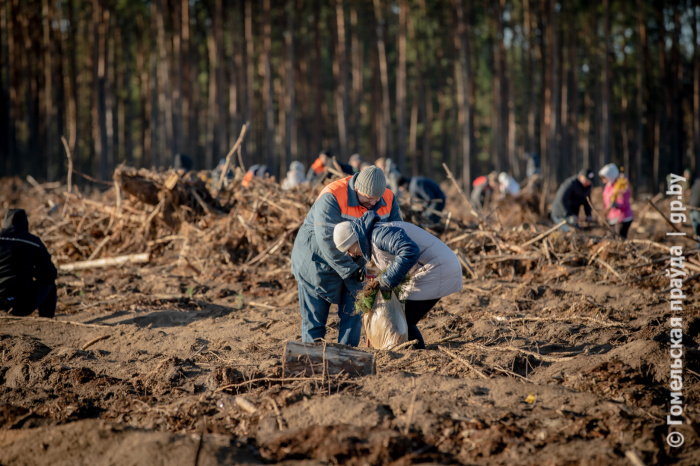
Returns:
(401, 248)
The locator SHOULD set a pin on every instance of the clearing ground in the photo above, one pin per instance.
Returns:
(554, 353)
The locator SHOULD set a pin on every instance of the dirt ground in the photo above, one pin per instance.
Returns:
(153, 364)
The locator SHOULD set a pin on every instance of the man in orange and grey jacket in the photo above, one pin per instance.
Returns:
(326, 275)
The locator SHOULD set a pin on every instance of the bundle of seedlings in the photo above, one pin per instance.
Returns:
(368, 295)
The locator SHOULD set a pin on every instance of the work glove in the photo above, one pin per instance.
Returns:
(383, 287)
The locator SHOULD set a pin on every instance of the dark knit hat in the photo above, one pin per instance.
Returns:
(587, 172)
(371, 181)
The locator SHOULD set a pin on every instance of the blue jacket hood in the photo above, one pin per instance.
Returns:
(362, 227)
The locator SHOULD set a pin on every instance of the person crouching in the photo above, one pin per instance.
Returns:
(400, 248)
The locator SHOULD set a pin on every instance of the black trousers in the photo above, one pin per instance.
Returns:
(622, 228)
(415, 311)
(43, 298)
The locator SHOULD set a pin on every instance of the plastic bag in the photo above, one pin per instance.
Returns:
(385, 325)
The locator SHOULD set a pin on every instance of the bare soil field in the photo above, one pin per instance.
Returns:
(555, 352)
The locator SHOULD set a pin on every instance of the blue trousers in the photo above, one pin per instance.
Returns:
(314, 315)
(564, 228)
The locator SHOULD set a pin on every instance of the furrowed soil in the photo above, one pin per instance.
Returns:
(536, 362)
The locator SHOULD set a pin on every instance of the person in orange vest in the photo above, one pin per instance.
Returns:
(326, 275)
(317, 171)
(261, 171)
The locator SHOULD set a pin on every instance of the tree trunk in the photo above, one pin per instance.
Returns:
(606, 123)
(49, 113)
(663, 108)
(641, 101)
(290, 144)
(675, 161)
(565, 72)
(695, 153)
(268, 95)
(109, 93)
(250, 76)
(187, 115)
(529, 65)
(357, 57)
(213, 106)
(7, 128)
(500, 89)
(99, 18)
(511, 149)
(401, 88)
(577, 162)
(340, 76)
(318, 91)
(142, 69)
(126, 120)
(548, 127)
(463, 82)
(385, 144)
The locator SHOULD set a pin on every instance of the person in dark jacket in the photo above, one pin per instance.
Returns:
(27, 275)
(325, 275)
(426, 192)
(569, 198)
(400, 249)
(694, 202)
(183, 163)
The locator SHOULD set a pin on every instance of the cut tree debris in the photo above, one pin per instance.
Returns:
(170, 218)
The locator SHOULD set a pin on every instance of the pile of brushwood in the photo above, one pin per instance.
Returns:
(184, 219)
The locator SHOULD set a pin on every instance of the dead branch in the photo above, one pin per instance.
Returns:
(108, 262)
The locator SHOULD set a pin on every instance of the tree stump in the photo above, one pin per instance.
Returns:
(317, 359)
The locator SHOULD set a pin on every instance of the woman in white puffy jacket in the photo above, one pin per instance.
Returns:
(401, 248)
